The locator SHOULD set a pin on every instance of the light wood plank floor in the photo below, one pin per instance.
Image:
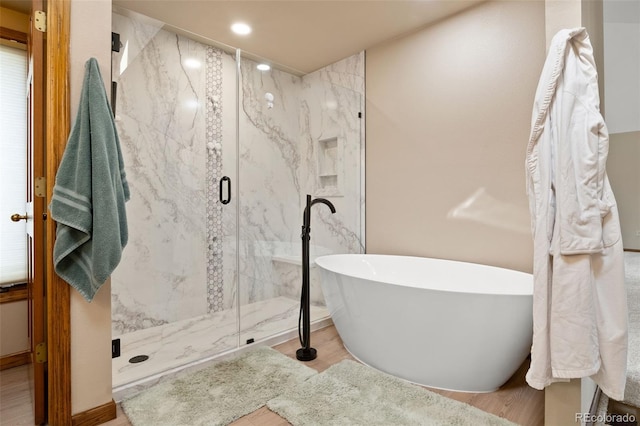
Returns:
(515, 401)
(16, 403)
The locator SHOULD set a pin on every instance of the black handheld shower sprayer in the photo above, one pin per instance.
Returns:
(306, 352)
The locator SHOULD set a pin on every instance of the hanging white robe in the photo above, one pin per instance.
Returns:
(579, 298)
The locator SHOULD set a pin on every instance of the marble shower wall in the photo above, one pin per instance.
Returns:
(268, 180)
(161, 123)
(308, 142)
(332, 149)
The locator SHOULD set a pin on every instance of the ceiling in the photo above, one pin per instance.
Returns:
(300, 36)
(303, 35)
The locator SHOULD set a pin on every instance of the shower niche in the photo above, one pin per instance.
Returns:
(329, 167)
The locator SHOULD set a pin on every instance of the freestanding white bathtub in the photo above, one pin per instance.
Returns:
(438, 323)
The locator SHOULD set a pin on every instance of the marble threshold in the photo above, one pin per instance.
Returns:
(190, 344)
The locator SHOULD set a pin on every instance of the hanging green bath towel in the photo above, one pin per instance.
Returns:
(89, 195)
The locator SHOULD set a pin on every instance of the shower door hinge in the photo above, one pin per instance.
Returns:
(41, 353)
(115, 42)
(40, 21)
(115, 348)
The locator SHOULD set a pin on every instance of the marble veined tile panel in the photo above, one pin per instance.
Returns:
(135, 31)
(331, 101)
(347, 73)
(162, 275)
(161, 122)
(164, 87)
(269, 189)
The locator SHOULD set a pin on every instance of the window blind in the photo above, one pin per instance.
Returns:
(13, 163)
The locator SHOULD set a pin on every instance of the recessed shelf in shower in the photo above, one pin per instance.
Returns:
(329, 166)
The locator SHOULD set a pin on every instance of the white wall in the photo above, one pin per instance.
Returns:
(14, 328)
(448, 115)
(622, 65)
(623, 168)
(90, 322)
(622, 111)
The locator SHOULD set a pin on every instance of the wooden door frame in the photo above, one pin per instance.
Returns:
(57, 128)
(36, 207)
(58, 124)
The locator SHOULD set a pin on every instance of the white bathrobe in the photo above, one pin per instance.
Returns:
(579, 298)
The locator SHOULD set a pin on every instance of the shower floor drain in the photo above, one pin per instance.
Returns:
(138, 358)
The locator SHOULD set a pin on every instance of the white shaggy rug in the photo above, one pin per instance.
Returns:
(632, 280)
(349, 393)
(219, 394)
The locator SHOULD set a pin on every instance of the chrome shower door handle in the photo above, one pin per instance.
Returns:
(226, 200)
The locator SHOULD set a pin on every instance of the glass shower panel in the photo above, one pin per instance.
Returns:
(173, 292)
(269, 211)
(297, 136)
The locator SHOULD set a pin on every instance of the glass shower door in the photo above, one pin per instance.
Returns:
(173, 292)
(269, 212)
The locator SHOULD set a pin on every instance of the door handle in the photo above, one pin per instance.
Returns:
(17, 217)
(226, 200)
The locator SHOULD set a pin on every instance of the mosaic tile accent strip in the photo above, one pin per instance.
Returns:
(214, 173)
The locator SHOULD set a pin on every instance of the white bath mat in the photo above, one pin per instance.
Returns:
(219, 394)
(349, 393)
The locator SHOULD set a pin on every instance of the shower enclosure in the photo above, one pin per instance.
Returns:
(219, 157)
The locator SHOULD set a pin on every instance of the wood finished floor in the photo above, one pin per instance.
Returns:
(515, 401)
(16, 403)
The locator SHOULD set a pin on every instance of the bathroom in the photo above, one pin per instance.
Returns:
(412, 200)
(433, 116)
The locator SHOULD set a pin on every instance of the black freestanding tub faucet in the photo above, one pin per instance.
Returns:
(306, 352)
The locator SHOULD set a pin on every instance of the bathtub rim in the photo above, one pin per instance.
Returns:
(320, 262)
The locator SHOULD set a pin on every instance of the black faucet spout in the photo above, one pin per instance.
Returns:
(306, 219)
(323, 201)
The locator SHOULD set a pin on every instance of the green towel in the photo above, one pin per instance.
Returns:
(89, 195)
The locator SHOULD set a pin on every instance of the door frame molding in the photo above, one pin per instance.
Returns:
(58, 126)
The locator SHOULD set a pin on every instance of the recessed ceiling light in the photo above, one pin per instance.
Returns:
(241, 28)
(263, 67)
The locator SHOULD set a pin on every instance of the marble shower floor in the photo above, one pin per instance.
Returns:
(181, 343)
